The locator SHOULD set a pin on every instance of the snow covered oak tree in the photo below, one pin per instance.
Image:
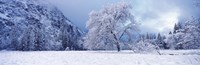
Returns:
(107, 26)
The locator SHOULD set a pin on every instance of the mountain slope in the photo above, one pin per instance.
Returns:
(35, 25)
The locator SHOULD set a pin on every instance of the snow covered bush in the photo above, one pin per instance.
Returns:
(170, 41)
(144, 46)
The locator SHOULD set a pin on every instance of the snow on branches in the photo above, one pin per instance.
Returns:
(108, 25)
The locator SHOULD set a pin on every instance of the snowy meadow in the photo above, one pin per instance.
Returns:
(190, 57)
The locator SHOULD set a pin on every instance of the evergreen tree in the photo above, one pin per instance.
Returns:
(160, 41)
(192, 34)
(170, 33)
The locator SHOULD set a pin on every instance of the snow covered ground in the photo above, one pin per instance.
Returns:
(98, 58)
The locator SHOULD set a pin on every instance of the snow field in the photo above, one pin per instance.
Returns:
(93, 58)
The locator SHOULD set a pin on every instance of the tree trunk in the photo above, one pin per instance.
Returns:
(117, 42)
(118, 47)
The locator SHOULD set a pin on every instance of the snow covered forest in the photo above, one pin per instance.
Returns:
(36, 32)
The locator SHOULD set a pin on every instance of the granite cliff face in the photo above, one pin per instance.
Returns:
(35, 25)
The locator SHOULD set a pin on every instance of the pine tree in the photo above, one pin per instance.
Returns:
(170, 33)
(160, 41)
(175, 29)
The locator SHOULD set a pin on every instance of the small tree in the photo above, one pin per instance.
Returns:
(160, 41)
(107, 26)
(170, 40)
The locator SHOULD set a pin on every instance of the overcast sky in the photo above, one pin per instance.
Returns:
(154, 15)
